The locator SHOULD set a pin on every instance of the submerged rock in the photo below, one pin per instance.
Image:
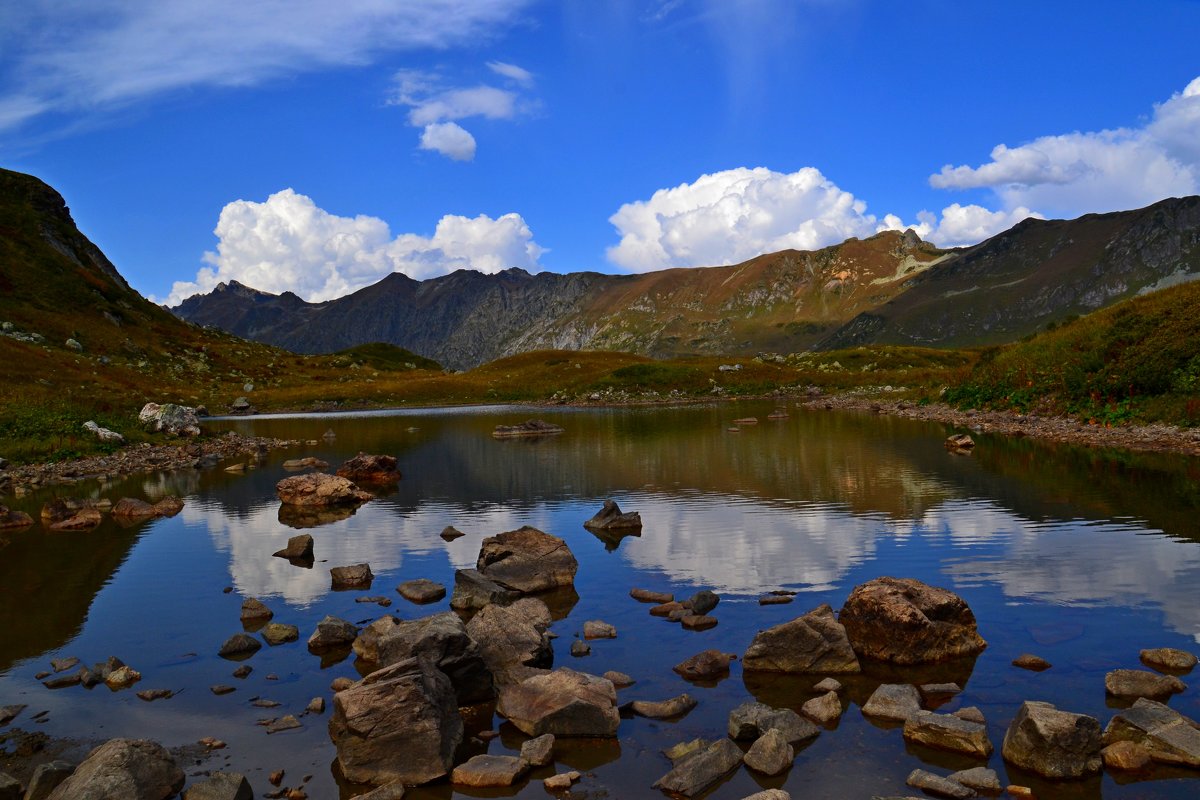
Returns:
(11, 520)
(239, 646)
(1053, 743)
(131, 508)
(1031, 662)
(905, 621)
(815, 642)
(647, 596)
(610, 517)
(220, 786)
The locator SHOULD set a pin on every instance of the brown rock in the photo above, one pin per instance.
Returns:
(11, 520)
(823, 710)
(937, 785)
(355, 576)
(947, 732)
(365, 468)
(319, 489)
(533, 427)
(751, 720)
(815, 642)
(563, 702)
(253, 610)
(664, 709)
(894, 701)
(618, 679)
(131, 508)
(959, 441)
(1169, 737)
(693, 775)
(595, 629)
(421, 591)
(666, 609)
(1126, 755)
(539, 751)
(1031, 662)
(308, 462)
(131, 769)
(647, 596)
(705, 666)
(1053, 743)
(698, 622)
(775, 600)
(981, 779)
(1141, 683)
(277, 633)
(299, 548)
(332, 633)
(489, 771)
(527, 560)
(610, 518)
(770, 754)
(560, 782)
(450, 533)
(472, 590)
(239, 645)
(512, 640)
(1163, 659)
(441, 638)
(82, 520)
(904, 621)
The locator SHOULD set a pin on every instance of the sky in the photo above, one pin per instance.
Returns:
(315, 147)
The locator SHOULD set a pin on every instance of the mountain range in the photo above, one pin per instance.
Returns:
(891, 288)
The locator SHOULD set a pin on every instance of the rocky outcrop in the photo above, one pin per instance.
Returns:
(611, 518)
(564, 703)
(513, 640)
(131, 769)
(1168, 736)
(441, 639)
(370, 469)
(905, 621)
(815, 642)
(319, 489)
(527, 560)
(473, 590)
(1053, 743)
(171, 419)
(398, 724)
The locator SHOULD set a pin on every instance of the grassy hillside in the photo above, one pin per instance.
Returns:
(1136, 361)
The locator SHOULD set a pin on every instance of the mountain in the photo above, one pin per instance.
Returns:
(782, 302)
(1037, 273)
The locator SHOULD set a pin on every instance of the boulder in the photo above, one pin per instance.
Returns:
(122, 678)
(698, 622)
(769, 794)
(664, 709)
(472, 590)
(512, 640)
(563, 702)
(398, 724)
(610, 518)
(46, 778)
(365, 468)
(1168, 736)
(489, 771)
(971, 714)
(693, 775)
(947, 732)
(981, 779)
(354, 576)
(580, 648)
(904, 621)
(170, 419)
(421, 591)
(450, 533)
(168, 506)
(239, 646)
(619, 679)
(70, 515)
(10, 520)
(1141, 683)
(1168, 659)
(823, 710)
(221, 786)
(815, 642)
(103, 434)
(1053, 743)
(702, 602)
(527, 560)
(332, 633)
(1126, 756)
(442, 639)
(254, 610)
(828, 685)
(595, 629)
(539, 751)
(751, 720)
(299, 548)
(131, 769)
(705, 666)
(319, 489)
(277, 633)
(770, 754)
(937, 785)
(894, 701)
(560, 782)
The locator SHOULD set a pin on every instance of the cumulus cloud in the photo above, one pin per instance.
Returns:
(450, 140)
(1108, 170)
(963, 225)
(82, 57)
(288, 243)
(512, 72)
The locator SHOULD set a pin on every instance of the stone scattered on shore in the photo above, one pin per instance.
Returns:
(751, 720)
(473, 590)
(580, 648)
(813, 643)
(539, 751)
(354, 576)
(981, 779)
(596, 629)
(705, 666)
(563, 702)
(904, 621)
(320, 489)
(486, 771)
(1141, 683)
(299, 548)
(934, 784)
(136, 769)
(823, 710)
(103, 434)
(131, 508)
(1053, 743)
(1126, 756)
(619, 679)
(371, 469)
(610, 518)
(70, 515)
(959, 441)
(533, 427)
(421, 591)
(11, 520)
(698, 622)
(693, 775)
(1168, 659)
(220, 786)
(277, 633)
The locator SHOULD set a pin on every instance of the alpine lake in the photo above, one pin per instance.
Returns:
(1082, 557)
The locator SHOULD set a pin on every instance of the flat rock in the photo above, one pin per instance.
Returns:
(775, 600)
(1053, 743)
(619, 679)
(12, 520)
(473, 590)
(948, 732)
(695, 774)
(527, 560)
(705, 666)
(1168, 659)
(389, 791)
(332, 633)
(905, 621)
(1127, 756)
(815, 642)
(769, 794)
(667, 608)
(564, 703)
(320, 489)
(970, 714)
(560, 782)
(1169, 737)
(364, 468)
(131, 769)
(610, 518)
(63, 664)
(539, 751)
(823, 710)
(532, 427)
(221, 688)
(894, 701)
(770, 754)
(150, 695)
(421, 591)
(595, 629)
(647, 596)
(287, 722)
(308, 462)
(937, 785)
(277, 633)
(939, 690)
(220, 786)
(664, 709)
(354, 576)
(513, 640)
(1031, 662)
(751, 720)
(981, 779)
(299, 548)
(441, 638)
(239, 645)
(698, 622)
(1141, 683)
(488, 771)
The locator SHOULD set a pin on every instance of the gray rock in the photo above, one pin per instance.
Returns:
(664, 709)
(894, 701)
(705, 666)
(73, 344)
(1053, 743)
(390, 791)
(970, 714)
(619, 679)
(421, 591)
(239, 646)
(253, 610)
(563, 702)
(319, 490)
(354, 576)
(527, 560)
(539, 751)
(443, 639)
(299, 548)
(103, 434)
(815, 642)
(284, 723)
(1169, 737)
(580, 648)
(823, 710)
(484, 771)
(937, 785)
(513, 640)
(1141, 683)
(1163, 658)
(770, 754)
(221, 786)
(9, 713)
(131, 769)
(947, 732)
(610, 518)
(702, 602)
(170, 419)
(696, 773)
(828, 685)
(473, 590)
(751, 720)
(332, 633)
(981, 779)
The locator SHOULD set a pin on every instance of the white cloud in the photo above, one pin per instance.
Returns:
(1075, 173)
(289, 244)
(962, 225)
(512, 72)
(75, 57)
(450, 140)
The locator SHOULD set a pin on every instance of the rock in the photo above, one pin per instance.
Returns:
(64, 681)
(221, 688)
(131, 769)
(46, 778)
(769, 794)
(527, 560)
(421, 591)
(1031, 662)
(241, 406)
(610, 518)
(667, 609)
(332, 633)
(1053, 743)
(243, 671)
(828, 685)
(315, 706)
(390, 791)
(299, 548)
(9, 713)
(563, 702)
(539, 751)
(284, 723)
(705, 666)
(169, 506)
(1126, 755)
(618, 679)
(377, 599)
(775, 600)
(698, 622)
(63, 664)
(473, 590)
(1168, 659)
(10, 787)
(947, 732)
(770, 754)
(170, 419)
(937, 785)
(682, 750)
(904, 621)
(122, 678)
(1169, 737)
(533, 427)
(319, 489)
(693, 775)
(970, 714)
(959, 441)
(939, 691)
(560, 782)
(253, 610)
(365, 468)
(513, 640)
(751, 720)
(1141, 683)
(440, 638)
(664, 709)
(981, 779)
(103, 434)
(702, 602)
(823, 710)
(398, 724)
(580, 648)
(11, 520)
(815, 642)
(308, 462)
(277, 633)
(894, 701)
(150, 695)
(450, 533)
(595, 629)
(239, 646)
(355, 576)
(487, 771)
(70, 515)
(647, 596)
(340, 684)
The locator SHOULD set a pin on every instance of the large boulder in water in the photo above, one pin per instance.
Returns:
(170, 419)
(365, 468)
(130, 769)
(563, 702)
(905, 621)
(513, 639)
(1168, 736)
(320, 489)
(815, 642)
(1053, 743)
(527, 560)
(440, 638)
(398, 724)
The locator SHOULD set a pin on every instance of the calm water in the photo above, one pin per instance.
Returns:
(1081, 557)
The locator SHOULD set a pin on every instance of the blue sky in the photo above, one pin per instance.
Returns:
(317, 146)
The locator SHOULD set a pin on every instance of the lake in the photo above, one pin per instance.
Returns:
(1081, 557)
